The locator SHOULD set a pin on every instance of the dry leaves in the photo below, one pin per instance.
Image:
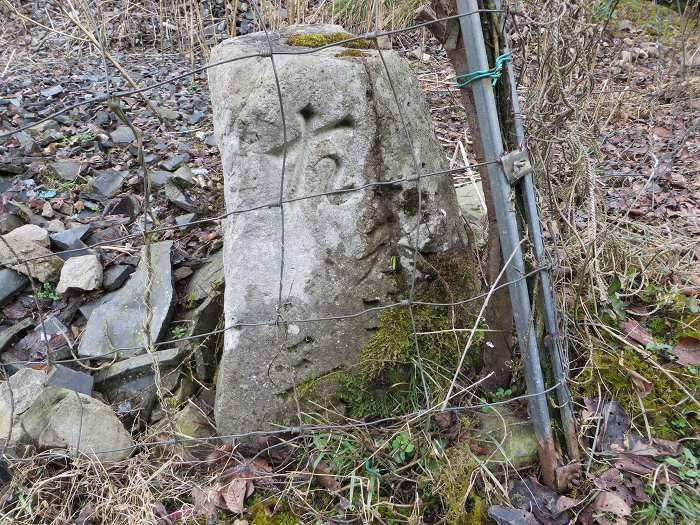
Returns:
(687, 351)
(636, 332)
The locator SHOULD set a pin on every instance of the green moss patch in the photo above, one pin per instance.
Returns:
(325, 39)
(351, 53)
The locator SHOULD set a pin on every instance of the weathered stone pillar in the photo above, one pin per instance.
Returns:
(343, 253)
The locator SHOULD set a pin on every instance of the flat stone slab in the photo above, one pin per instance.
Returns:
(139, 365)
(118, 323)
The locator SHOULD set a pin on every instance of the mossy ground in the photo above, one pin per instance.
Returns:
(325, 39)
(669, 411)
(657, 21)
(356, 53)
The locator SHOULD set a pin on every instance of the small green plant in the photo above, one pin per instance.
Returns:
(192, 87)
(47, 291)
(401, 448)
(84, 138)
(675, 503)
(178, 332)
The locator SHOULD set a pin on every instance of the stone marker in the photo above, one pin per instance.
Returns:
(343, 251)
(118, 323)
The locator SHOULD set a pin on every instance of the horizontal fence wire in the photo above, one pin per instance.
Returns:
(281, 430)
(193, 71)
(257, 207)
(279, 203)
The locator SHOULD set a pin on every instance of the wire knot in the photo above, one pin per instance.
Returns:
(494, 73)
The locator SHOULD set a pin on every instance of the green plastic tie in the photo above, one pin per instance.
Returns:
(494, 74)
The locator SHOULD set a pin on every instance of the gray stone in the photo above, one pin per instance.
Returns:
(55, 226)
(74, 380)
(182, 177)
(45, 269)
(211, 141)
(30, 232)
(139, 365)
(79, 424)
(130, 383)
(343, 131)
(88, 308)
(208, 280)
(196, 117)
(178, 198)
(52, 91)
(10, 333)
(123, 135)
(174, 162)
(167, 113)
(47, 211)
(11, 283)
(159, 178)
(67, 170)
(184, 220)
(66, 239)
(9, 222)
(82, 273)
(509, 439)
(115, 276)
(118, 323)
(16, 397)
(109, 182)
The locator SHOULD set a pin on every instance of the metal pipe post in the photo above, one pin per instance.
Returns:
(553, 342)
(489, 126)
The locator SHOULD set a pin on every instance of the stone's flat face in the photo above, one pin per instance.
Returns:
(80, 273)
(118, 322)
(115, 276)
(60, 418)
(109, 182)
(68, 170)
(74, 380)
(343, 131)
(44, 269)
(206, 280)
(30, 232)
(11, 282)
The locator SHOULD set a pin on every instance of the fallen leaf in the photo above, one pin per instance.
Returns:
(636, 332)
(204, 505)
(234, 495)
(549, 507)
(644, 466)
(323, 474)
(608, 508)
(641, 384)
(640, 446)
(687, 351)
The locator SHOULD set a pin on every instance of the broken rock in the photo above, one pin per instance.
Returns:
(118, 323)
(30, 232)
(80, 273)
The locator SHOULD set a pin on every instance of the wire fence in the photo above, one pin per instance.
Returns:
(275, 318)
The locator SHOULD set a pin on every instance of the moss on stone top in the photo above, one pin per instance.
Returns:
(351, 53)
(324, 39)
